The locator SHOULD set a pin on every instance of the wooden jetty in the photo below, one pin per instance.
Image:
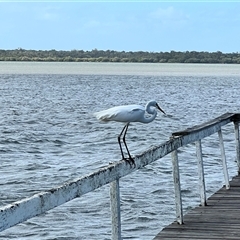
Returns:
(219, 219)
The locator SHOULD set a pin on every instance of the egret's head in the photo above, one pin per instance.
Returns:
(152, 106)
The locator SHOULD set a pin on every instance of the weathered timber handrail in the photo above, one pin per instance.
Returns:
(22, 210)
(206, 129)
(195, 134)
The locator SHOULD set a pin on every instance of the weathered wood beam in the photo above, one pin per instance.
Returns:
(22, 210)
(177, 187)
(221, 120)
(224, 161)
(201, 131)
(201, 179)
(115, 210)
(237, 139)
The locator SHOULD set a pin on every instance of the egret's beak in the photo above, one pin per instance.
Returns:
(160, 108)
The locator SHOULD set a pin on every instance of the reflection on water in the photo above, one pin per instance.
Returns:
(49, 135)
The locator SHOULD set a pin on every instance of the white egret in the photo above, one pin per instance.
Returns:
(128, 114)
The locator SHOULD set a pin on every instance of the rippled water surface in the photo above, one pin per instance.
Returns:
(48, 135)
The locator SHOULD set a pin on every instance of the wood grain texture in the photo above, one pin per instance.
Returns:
(220, 219)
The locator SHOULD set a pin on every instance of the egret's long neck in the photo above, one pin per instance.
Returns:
(151, 118)
(150, 108)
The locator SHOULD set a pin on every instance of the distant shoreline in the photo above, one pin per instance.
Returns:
(117, 56)
(114, 69)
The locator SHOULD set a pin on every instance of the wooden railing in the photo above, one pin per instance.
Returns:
(22, 210)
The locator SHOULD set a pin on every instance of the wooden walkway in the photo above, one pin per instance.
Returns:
(220, 219)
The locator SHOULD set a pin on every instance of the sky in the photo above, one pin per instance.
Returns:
(153, 26)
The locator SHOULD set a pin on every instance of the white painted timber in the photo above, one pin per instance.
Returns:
(177, 187)
(224, 161)
(115, 210)
(201, 180)
(204, 130)
(236, 128)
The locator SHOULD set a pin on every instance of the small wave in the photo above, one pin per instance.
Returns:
(31, 122)
(10, 141)
(144, 219)
(159, 191)
(36, 166)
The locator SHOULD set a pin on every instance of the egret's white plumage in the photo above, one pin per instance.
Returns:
(127, 114)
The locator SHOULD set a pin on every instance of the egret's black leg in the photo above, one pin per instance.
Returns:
(130, 159)
(119, 141)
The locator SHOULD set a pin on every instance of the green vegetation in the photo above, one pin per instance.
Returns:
(115, 56)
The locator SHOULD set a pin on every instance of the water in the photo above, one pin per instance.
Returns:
(49, 136)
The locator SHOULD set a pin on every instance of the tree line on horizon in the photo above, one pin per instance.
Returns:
(96, 55)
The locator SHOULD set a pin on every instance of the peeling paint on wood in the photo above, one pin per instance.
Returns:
(224, 162)
(201, 180)
(115, 210)
(236, 129)
(177, 188)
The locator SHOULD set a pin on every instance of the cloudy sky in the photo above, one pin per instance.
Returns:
(121, 25)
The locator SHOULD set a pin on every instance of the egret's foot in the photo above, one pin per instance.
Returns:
(130, 161)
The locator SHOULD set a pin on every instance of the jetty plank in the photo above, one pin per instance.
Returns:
(220, 219)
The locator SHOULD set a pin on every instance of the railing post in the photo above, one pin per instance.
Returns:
(115, 210)
(236, 128)
(177, 187)
(201, 180)
(224, 162)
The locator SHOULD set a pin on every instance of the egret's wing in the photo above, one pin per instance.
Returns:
(105, 115)
(128, 113)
